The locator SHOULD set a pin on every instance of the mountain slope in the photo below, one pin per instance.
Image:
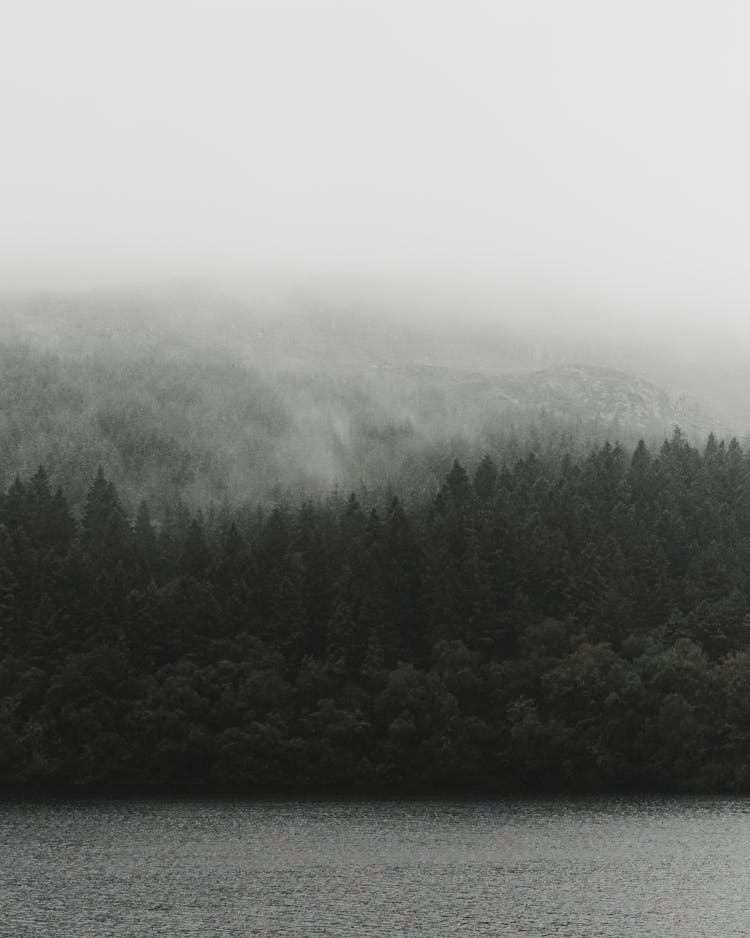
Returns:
(183, 394)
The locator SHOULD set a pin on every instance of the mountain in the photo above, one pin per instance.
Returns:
(181, 391)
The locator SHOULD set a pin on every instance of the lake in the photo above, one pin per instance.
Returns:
(560, 868)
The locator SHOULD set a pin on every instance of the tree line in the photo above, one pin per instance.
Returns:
(552, 624)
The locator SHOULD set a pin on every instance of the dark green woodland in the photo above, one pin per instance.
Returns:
(547, 624)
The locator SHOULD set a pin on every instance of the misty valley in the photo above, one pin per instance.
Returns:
(225, 568)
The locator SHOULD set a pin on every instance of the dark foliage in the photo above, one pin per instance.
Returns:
(552, 624)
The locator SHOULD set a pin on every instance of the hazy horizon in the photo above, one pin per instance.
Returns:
(575, 160)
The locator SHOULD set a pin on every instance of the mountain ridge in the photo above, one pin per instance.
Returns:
(193, 401)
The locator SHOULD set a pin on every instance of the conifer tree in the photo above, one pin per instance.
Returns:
(486, 479)
(195, 555)
(105, 534)
(144, 542)
(60, 527)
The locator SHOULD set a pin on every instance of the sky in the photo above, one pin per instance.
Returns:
(594, 154)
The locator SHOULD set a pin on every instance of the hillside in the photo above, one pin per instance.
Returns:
(553, 624)
(179, 391)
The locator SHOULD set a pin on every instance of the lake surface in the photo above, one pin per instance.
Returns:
(586, 868)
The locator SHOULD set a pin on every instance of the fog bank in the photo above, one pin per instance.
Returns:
(579, 160)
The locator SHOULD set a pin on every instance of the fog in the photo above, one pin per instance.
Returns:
(328, 243)
(582, 158)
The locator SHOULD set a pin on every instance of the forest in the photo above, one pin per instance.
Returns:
(182, 396)
(551, 624)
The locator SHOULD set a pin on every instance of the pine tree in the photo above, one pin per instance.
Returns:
(61, 527)
(8, 594)
(486, 479)
(195, 554)
(144, 542)
(105, 533)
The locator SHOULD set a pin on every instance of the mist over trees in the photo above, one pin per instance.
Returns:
(546, 624)
(308, 552)
(182, 393)
(452, 491)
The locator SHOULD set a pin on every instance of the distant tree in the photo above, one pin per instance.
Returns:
(60, 528)
(486, 479)
(145, 544)
(8, 591)
(105, 533)
(195, 554)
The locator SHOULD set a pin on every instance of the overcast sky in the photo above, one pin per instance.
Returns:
(595, 150)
